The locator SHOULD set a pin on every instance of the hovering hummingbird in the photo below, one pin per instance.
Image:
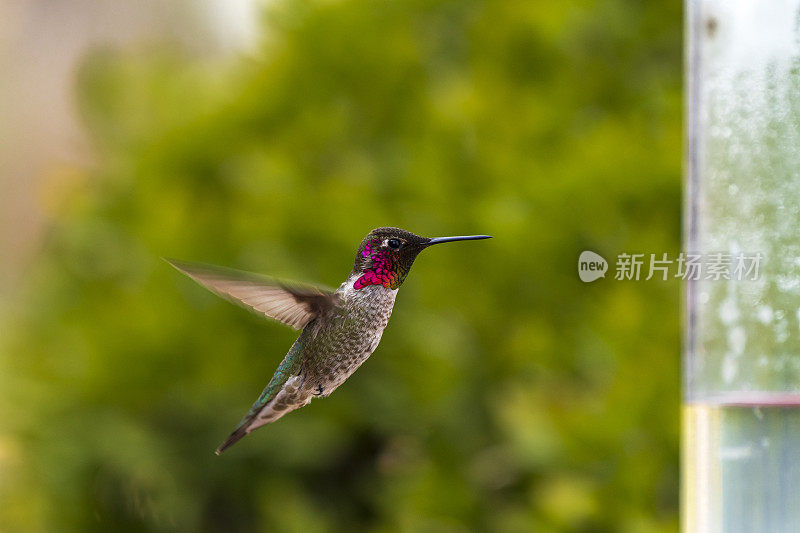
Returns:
(340, 329)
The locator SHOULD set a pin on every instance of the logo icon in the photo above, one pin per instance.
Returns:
(591, 266)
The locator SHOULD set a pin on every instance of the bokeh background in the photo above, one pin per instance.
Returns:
(506, 394)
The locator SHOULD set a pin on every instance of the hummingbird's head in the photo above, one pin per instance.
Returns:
(386, 255)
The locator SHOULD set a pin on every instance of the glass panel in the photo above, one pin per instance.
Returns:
(741, 468)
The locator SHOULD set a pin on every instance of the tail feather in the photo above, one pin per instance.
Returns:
(271, 406)
(232, 439)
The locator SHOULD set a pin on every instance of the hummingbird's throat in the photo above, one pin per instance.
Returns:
(383, 269)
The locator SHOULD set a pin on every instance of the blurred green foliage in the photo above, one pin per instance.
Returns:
(506, 394)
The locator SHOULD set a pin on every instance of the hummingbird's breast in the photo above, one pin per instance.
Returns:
(339, 342)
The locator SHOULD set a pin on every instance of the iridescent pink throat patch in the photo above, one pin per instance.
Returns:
(382, 272)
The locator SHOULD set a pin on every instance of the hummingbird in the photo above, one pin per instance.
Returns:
(340, 329)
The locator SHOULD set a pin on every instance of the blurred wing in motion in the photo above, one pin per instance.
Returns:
(295, 306)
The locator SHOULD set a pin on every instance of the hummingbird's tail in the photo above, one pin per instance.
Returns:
(232, 439)
(280, 397)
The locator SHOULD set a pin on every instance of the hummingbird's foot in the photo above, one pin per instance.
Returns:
(319, 390)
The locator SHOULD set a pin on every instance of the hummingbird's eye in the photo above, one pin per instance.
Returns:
(394, 244)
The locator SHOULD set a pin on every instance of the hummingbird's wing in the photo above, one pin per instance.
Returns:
(294, 305)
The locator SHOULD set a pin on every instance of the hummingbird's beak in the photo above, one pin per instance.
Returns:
(439, 240)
